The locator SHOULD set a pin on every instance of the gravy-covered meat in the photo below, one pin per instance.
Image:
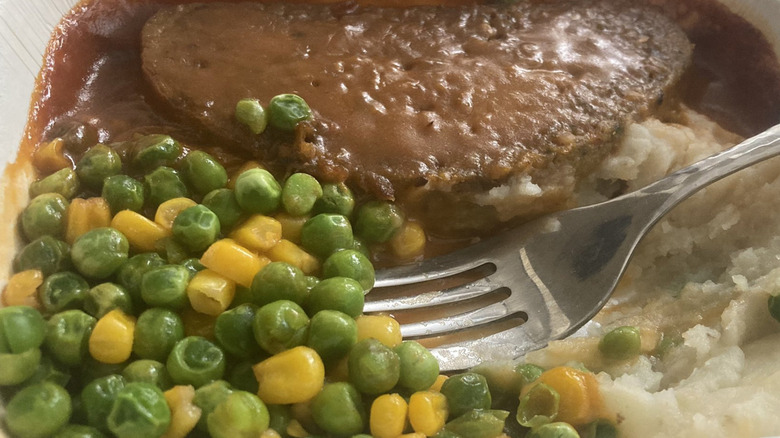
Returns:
(403, 96)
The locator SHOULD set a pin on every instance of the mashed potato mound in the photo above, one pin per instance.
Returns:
(697, 287)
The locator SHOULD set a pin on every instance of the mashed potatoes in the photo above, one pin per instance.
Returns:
(698, 288)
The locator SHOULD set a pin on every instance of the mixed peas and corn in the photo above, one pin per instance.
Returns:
(157, 295)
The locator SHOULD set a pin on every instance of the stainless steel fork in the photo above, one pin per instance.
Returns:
(559, 270)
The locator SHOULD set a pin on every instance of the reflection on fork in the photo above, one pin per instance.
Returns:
(515, 292)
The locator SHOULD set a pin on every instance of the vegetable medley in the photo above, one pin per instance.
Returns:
(159, 296)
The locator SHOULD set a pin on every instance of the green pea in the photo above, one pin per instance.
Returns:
(64, 182)
(257, 191)
(419, 368)
(156, 333)
(207, 398)
(148, 371)
(280, 325)
(106, 297)
(299, 193)
(243, 295)
(98, 396)
(16, 368)
(193, 265)
(352, 264)
(62, 291)
(223, 203)
(332, 334)
(325, 233)
(311, 281)
(195, 361)
(242, 376)
(478, 423)
(203, 172)
(48, 371)
(554, 430)
(155, 150)
(621, 343)
(504, 382)
(280, 418)
(377, 221)
(45, 216)
(97, 164)
(466, 391)
(173, 251)
(46, 254)
(164, 183)
(98, 253)
(122, 192)
(234, 332)
(338, 409)
(279, 281)
(67, 336)
(336, 199)
(196, 228)
(241, 414)
(285, 111)
(38, 410)
(132, 271)
(599, 429)
(337, 293)
(774, 306)
(166, 286)
(251, 113)
(78, 431)
(21, 328)
(374, 368)
(139, 411)
(528, 372)
(538, 406)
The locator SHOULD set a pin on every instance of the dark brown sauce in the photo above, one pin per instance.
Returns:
(92, 87)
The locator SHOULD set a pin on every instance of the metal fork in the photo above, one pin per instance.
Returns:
(559, 270)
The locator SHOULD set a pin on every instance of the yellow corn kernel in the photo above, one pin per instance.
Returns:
(388, 416)
(412, 435)
(292, 376)
(184, 413)
(409, 241)
(22, 289)
(437, 384)
(258, 233)
(302, 417)
(286, 251)
(231, 184)
(111, 340)
(231, 260)
(294, 429)
(270, 433)
(50, 156)
(84, 215)
(383, 328)
(291, 226)
(580, 398)
(427, 412)
(168, 210)
(210, 293)
(141, 232)
(198, 324)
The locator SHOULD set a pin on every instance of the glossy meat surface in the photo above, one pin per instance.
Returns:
(407, 96)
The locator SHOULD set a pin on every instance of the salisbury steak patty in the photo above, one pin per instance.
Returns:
(436, 96)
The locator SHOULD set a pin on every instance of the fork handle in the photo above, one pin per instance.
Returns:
(683, 183)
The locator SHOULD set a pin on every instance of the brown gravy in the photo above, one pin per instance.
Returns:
(92, 87)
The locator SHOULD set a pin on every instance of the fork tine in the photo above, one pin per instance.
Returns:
(434, 298)
(430, 269)
(460, 321)
(509, 344)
